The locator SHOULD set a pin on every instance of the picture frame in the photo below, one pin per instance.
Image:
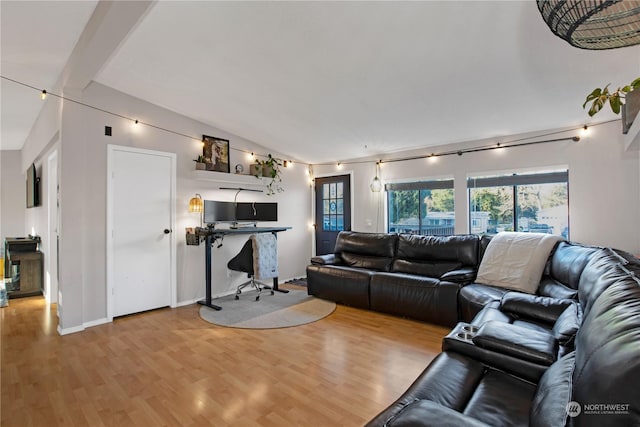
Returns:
(216, 153)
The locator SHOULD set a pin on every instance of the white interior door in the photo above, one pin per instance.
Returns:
(142, 261)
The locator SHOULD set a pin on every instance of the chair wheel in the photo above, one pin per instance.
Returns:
(258, 298)
(272, 293)
(237, 297)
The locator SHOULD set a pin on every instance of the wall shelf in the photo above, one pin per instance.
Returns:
(227, 178)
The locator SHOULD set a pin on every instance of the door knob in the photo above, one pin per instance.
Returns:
(167, 231)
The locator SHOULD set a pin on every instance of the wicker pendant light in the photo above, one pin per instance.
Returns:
(593, 25)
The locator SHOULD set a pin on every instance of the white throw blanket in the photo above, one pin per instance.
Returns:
(265, 255)
(516, 260)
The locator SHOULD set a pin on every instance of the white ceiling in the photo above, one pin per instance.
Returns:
(36, 39)
(320, 81)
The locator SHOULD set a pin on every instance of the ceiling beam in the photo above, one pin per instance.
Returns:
(109, 26)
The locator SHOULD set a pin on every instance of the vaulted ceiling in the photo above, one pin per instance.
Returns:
(326, 81)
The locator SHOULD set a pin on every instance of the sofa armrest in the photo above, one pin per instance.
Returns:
(461, 275)
(328, 259)
(523, 343)
(428, 413)
(545, 309)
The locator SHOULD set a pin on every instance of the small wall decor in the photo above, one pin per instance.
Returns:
(216, 153)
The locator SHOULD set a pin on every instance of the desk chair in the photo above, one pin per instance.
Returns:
(244, 262)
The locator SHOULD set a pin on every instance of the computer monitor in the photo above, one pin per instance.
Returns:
(257, 211)
(215, 211)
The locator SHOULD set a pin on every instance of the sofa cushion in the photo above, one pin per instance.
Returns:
(602, 270)
(450, 380)
(513, 340)
(366, 261)
(344, 285)
(428, 413)
(550, 287)
(474, 297)
(568, 262)
(567, 324)
(516, 260)
(424, 268)
(373, 251)
(534, 307)
(501, 400)
(416, 297)
(607, 367)
(371, 244)
(462, 275)
(549, 407)
(460, 249)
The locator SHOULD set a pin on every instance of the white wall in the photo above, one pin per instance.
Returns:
(604, 190)
(12, 196)
(83, 200)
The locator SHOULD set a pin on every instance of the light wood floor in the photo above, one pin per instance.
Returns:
(170, 368)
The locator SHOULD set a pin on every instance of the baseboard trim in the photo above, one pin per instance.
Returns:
(95, 322)
(67, 331)
(188, 302)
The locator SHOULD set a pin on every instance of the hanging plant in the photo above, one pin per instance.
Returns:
(270, 169)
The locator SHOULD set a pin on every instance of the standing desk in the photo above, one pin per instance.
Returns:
(211, 235)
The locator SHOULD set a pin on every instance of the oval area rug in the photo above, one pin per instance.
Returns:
(271, 311)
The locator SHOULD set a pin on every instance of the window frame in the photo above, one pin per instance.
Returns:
(514, 180)
(422, 185)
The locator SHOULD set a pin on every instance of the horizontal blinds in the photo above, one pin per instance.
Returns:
(420, 185)
(530, 179)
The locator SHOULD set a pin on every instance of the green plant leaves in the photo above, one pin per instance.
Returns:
(599, 97)
(271, 168)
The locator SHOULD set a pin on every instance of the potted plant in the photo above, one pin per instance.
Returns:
(624, 99)
(201, 164)
(269, 168)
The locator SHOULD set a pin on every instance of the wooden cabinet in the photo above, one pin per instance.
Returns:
(23, 268)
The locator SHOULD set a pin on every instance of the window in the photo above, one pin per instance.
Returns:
(420, 207)
(530, 203)
(333, 206)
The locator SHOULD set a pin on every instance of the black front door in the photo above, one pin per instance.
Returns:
(333, 210)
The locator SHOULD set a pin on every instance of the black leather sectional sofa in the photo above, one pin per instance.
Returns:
(569, 355)
(406, 275)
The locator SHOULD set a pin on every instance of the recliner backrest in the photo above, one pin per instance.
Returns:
(601, 271)
(568, 261)
(461, 248)
(607, 369)
(553, 394)
(563, 270)
(434, 256)
(366, 250)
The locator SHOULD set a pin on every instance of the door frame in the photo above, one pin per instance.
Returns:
(53, 221)
(313, 202)
(111, 149)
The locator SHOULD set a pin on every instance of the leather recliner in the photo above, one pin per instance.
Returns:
(594, 385)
